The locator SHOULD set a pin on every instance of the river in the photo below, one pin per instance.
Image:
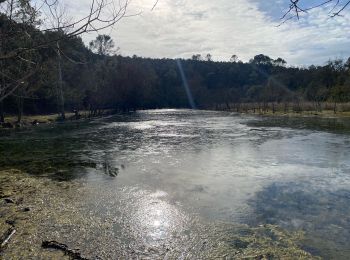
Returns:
(161, 178)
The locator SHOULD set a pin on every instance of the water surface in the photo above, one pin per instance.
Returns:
(152, 173)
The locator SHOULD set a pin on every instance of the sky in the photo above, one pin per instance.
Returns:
(181, 28)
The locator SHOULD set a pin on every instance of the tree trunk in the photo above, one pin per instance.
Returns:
(2, 85)
(19, 109)
(2, 115)
(60, 84)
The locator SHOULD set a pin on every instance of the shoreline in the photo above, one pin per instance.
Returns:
(326, 114)
(44, 119)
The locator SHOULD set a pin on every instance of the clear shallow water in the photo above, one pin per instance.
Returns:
(155, 171)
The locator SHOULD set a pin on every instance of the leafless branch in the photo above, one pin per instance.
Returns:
(341, 9)
(10, 88)
(295, 9)
(155, 4)
(102, 14)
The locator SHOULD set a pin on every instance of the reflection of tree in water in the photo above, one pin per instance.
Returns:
(324, 215)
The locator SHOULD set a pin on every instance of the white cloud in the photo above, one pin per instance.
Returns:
(180, 28)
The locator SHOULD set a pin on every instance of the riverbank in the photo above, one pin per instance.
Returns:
(279, 113)
(302, 109)
(30, 120)
(33, 120)
(43, 212)
(22, 207)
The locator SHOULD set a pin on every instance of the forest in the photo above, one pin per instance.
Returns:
(93, 78)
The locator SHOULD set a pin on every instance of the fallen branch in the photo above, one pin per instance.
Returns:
(75, 254)
(10, 232)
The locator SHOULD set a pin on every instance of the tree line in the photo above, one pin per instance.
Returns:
(65, 75)
(95, 79)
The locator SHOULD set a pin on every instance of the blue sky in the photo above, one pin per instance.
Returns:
(181, 28)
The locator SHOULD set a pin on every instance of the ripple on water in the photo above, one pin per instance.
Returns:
(207, 166)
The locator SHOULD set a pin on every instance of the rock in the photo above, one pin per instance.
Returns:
(8, 200)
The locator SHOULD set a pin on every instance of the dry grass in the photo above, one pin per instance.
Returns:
(302, 109)
(42, 119)
(50, 118)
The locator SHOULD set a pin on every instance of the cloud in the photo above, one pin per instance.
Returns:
(181, 28)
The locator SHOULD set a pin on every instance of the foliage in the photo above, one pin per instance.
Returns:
(94, 78)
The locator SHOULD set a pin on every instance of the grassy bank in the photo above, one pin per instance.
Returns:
(301, 109)
(41, 119)
(29, 120)
(323, 113)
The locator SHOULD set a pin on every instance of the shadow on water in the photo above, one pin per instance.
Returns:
(61, 151)
(46, 150)
(324, 215)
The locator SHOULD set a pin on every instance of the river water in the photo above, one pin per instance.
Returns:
(154, 173)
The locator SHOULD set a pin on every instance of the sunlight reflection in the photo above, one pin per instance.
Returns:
(155, 219)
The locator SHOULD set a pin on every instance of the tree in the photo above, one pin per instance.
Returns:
(103, 45)
(339, 93)
(197, 57)
(279, 62)
(316, 93)
(208, 57)
(22, 19)
(234, 58)
(102, 14)
(261, 59)
(347, 65)
(16, 25)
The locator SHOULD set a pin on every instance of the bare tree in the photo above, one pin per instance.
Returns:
(101, 15)
(297, 7)
(26, 19)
